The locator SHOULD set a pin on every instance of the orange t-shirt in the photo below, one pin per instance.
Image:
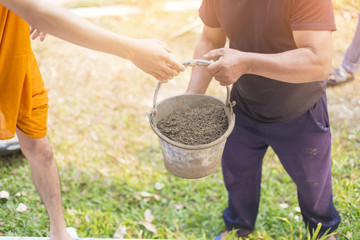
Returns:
(16, 78)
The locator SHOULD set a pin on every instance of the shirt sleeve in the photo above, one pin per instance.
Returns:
(208, 15)
(312, 15)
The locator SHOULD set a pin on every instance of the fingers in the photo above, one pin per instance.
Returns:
(170, 71)
(214, 54)
(170, 61)
(175, 64)
(220, 70)
(214, 68)
(35, 33)
(220, 74)
(223, 82)
(159, 77)
(165, 73)
(170, 68)
(42, 36)
(160, 63)
(162, 75)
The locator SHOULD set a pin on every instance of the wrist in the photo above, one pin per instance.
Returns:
(126, 48)
(248, 66)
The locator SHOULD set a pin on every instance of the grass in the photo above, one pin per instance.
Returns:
(110, 161)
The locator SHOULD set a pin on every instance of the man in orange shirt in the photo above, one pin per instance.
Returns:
(23, 98)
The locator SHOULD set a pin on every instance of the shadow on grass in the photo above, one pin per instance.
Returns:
(12, 160)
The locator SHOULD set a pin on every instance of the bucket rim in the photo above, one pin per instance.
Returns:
(231, 123)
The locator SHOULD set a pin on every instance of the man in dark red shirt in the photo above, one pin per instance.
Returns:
(279, 57)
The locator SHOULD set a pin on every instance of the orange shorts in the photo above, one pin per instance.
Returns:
(23, 98)
(26, 110)
(35, 125)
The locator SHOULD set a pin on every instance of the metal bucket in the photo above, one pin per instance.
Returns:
(190, 161)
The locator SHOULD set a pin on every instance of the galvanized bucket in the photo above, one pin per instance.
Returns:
(190, 161)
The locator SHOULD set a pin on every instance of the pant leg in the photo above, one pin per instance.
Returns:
(351, 61)
(304, 148)
(241, 165)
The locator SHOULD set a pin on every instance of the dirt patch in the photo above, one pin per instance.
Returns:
(197, 125)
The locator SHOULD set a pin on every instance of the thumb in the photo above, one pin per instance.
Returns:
(214, 54)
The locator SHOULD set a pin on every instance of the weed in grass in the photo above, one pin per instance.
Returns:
(315, 234)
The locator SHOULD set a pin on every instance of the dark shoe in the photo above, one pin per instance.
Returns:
(218, 237)
(339, 76)
(221, 236)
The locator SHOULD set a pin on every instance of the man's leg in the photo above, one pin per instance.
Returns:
(46, 180)
(350, 64)
(351, 61)
(304, 148)
(241, 165)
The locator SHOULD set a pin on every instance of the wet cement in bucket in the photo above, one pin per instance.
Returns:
(195, 125)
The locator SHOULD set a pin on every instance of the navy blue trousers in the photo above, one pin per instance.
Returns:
(303, 146)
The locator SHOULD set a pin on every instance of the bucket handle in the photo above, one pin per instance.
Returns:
(191, 63)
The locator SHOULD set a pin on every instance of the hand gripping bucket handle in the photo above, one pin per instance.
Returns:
(191, 63)
(190, 161)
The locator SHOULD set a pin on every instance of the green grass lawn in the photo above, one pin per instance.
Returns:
(110, 161)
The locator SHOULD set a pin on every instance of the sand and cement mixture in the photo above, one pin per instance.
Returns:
(196, 125)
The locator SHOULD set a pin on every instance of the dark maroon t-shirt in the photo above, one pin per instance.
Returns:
(265, 26)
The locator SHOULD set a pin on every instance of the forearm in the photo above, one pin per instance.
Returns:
(69, 27)
(81, 32)
(200, 77)
(311, 61)
(295, 66)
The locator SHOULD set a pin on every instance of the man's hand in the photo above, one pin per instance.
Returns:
(36, 33)
(229, 65)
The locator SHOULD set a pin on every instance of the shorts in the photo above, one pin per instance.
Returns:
(23, 98)
(34, 124)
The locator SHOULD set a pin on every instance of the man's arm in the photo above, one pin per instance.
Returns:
(311, 61)
(211, 38)
(152, 56)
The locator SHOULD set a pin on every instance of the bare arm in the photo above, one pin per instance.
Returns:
(211, 38)
(311, 61)
(152, 56)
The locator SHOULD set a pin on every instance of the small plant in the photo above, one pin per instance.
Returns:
(232, 235)
(315, 233)
(290, 225)
(313, 236)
